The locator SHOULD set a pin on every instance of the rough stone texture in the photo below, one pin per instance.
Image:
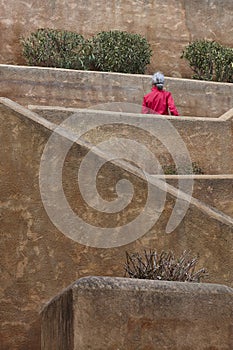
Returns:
(126, 314)
(68, 88)
(38, 261)
(203, 137)
(215, 191)
(168, 25)
(61, 323)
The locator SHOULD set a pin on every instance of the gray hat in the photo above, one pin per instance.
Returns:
(158, 78)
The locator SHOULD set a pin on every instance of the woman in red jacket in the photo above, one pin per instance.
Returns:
(158, 101)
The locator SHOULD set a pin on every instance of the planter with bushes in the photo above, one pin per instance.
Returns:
(55, 48)
(209, 60)
(112, 51)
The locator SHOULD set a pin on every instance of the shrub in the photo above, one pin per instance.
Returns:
(224, 65)
(193, 169)
(210, 60)
(117, 51)
(164, 266)
(56, 48)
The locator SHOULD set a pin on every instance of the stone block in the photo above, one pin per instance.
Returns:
(99, 313)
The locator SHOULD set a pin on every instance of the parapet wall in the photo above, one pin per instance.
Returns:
(168, 25)
(208, 140)
(82, 89)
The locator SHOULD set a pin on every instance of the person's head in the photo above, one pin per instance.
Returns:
(158, 80)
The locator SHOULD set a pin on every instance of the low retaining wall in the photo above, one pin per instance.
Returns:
(208, 140)
(81, 89)
(119, 313)
(39, 260)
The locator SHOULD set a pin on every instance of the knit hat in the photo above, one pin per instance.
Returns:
(158, 80)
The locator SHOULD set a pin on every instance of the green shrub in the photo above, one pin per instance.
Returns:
(164, 266)
(56, 48)
(189, 169)
(113, 51)
(210, 60)
(117, 51)
(224, 65)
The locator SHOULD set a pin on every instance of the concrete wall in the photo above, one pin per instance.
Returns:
(38, 260)
(115, 313)
(67, 88)
(168, 25)
(215, 191)
(208, 140)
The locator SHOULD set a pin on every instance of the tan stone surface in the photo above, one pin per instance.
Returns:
(168, 25)
(127, 314)
(38, 261)
(81, 89)
(214, 191)
(208, 140)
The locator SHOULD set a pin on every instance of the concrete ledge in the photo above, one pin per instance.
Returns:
(99, 313)
(81, 89)
(58, 114)
(228, 115)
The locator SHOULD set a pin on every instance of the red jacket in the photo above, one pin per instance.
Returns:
(159, 102)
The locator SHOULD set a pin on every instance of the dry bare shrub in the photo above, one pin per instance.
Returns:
(164, 266)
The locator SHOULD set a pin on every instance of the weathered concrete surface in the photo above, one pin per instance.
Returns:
(37, 260)
(168, 25)
(208, 140)
(82, 89)
(216, 191)
(125, 314)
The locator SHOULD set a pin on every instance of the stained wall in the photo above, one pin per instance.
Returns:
(168, 25)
